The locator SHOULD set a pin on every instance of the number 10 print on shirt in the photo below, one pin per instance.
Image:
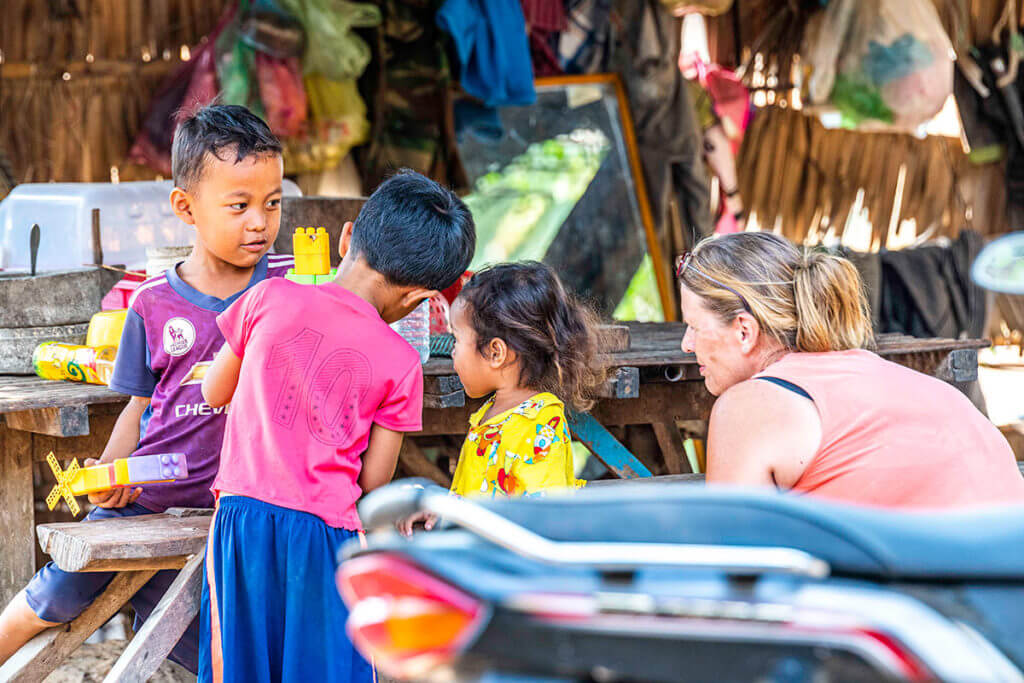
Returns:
(329, 392)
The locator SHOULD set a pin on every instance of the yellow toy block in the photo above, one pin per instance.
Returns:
(312, 249)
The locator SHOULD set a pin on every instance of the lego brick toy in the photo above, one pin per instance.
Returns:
(312, 249)
(142, 469)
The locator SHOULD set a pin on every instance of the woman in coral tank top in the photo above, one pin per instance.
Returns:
(781, 336)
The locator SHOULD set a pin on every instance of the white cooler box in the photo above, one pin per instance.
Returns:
(133, 216)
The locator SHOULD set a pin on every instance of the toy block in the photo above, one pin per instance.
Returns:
(142, 469)
(321, 279)
(301, 278)
(312, 250)
(307, 279)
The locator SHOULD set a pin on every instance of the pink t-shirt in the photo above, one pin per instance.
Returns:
(893, 437)
(319, 368)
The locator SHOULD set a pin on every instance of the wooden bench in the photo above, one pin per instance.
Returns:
(136, 548)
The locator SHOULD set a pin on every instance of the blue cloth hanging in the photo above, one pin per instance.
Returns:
(493, 49)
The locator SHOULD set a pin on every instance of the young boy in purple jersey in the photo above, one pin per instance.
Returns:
(227, 170)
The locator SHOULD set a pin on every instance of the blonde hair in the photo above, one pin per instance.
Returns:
(806, 299)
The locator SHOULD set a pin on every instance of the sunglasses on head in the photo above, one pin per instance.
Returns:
(683, 262)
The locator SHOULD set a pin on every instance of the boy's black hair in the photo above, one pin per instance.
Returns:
(211, 129)
(415, 232)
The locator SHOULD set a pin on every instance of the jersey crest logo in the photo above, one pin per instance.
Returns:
(179, 336)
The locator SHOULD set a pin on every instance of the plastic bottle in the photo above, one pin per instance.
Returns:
(415, 329)
(56, 360)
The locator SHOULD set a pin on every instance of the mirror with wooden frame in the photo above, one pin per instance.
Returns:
(559, 181)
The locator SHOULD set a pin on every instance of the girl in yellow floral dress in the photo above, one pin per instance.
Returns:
(528, 345)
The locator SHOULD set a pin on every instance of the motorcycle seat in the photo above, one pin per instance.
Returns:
(980, 543)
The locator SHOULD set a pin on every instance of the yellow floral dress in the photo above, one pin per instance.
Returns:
(521, 452)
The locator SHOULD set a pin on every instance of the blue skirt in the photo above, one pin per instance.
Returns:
(270, 598)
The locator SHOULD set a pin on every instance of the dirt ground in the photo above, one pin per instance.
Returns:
(92, 662)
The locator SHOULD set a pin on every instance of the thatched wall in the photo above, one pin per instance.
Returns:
(76, 78)
(807, 178)
(804, 178)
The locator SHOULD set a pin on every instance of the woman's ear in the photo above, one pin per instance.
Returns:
(748, 331)
(181, 204)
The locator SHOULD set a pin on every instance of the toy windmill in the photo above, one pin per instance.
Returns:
(63, 486)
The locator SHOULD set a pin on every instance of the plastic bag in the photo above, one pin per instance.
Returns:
(332, 49)
(880, 63)
(730, 97)
(337, 124)
(267, 28)
(235, 70)
(192, 85)
(282, 93)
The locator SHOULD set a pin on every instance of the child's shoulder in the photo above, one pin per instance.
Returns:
(540, 407)
(276, 286)
(149, 291)
(278, 265)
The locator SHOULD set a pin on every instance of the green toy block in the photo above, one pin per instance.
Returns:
(306, 279)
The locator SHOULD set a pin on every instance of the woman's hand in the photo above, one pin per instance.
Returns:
(405, 526)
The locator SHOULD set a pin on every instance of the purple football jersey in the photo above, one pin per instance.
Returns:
(170, 338)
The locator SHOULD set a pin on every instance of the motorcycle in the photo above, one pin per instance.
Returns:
(670, 582)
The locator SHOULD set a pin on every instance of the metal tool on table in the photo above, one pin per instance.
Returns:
(33, 248)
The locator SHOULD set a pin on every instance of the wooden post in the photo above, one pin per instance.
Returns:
(672, 449)
(17, 516)
(417, 464)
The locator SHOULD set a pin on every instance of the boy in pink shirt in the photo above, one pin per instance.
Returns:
(321, 392)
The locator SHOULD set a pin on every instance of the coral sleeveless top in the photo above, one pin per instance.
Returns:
(894, 437)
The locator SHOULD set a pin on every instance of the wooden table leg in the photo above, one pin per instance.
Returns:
(44, 653)
(672, 448)
(17, 515)
(164, 627)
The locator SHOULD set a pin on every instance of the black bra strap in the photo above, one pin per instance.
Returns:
(785, 384)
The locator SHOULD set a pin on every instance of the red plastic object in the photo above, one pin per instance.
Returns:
(454, 290)
(119, 295)
(439, 316)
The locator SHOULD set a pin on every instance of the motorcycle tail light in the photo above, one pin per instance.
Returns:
(883, 648)
(405, 619)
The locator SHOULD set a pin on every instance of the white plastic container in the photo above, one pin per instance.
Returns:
(415, 329)
(133, 216)
(159, 259)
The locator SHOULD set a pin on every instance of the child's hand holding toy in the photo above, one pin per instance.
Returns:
(113, 498)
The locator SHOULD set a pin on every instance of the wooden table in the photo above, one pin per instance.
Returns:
(658, 385)
(75, 420)
(71, 419)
